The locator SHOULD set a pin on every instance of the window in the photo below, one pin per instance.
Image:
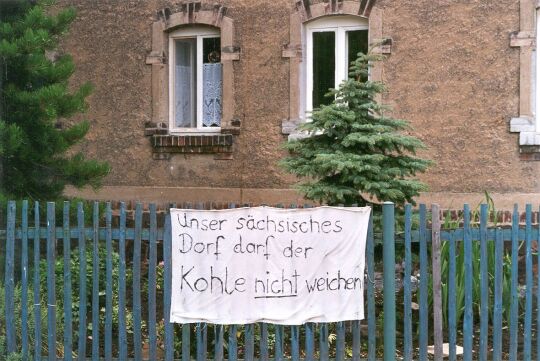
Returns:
(332, 43)
(195, 80)
(536, 87)
(527, 122)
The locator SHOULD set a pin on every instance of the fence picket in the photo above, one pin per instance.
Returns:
(323, 342)
(538, 293)
(24, 280)
(263, 343)
(389, 291)
(68, 324)
(295, 343)
(202, 327)
(137, 322)
(498, 307)
(249, 342)
(514, 284)
(437, 285)
(407, 297)
(468, 313)
(340, 341)
(355, 326)
(201, 341)
(452, 328)
(218, 346)
(310, 341)
(279, 343)
(51, 281)
(95, 283)
(423, 295)
(529, 284)
(484, 293)
(356, 341)
(122, 331)
(152, 265)
(10, 279)
(233, 344)
(372, 330)
(82, 283)
(167, 279)
(37, 283)
(109, 283)
(186, 335)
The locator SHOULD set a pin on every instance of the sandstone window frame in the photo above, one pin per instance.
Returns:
(166, 141)
(295, 50)
(527, 123)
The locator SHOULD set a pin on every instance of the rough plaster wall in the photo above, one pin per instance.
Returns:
(454, 76)
(451, 73)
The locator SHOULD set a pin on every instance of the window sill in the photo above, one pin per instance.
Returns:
(165, 145)
(188, 131)
(290, 129)
(164, 142)
(529, 138)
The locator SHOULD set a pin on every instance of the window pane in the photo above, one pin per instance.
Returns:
(212, 82)
(357, 42)
(324, 66)
(185, 79)
(211, 50)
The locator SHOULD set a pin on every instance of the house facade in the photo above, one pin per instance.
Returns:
(193, 100)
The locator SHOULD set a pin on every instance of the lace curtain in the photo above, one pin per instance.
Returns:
(212, 94)
(183, 94)
(184, 91)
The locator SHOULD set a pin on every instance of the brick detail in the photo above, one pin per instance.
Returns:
(528, 149)
(365, 7)
(230, 130)
(307, 10)
(529, 152)
(154, 131)
(193, 144)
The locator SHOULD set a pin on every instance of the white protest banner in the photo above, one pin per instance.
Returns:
(282, 266)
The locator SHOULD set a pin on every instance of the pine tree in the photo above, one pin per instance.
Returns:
(35, 104)
(353, 152)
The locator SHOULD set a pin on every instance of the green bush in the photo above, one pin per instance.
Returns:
(59, 284)
(476, 281)
(75, 287)
(17, 303)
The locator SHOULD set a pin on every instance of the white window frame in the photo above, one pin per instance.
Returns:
(199, 33)
(339, 24)
(536, 72)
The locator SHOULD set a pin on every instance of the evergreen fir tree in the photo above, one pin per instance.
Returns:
(35, 102)
(354, 152)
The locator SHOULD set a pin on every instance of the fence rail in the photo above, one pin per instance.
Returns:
(78, 290)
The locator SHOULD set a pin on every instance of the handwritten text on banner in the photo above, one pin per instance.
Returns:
(282, 266)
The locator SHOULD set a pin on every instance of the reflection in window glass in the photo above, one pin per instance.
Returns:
(324, 66)
(357, 42)
(211, 50)
(185, 94)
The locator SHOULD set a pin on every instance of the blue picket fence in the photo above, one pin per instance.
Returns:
(101, 291)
